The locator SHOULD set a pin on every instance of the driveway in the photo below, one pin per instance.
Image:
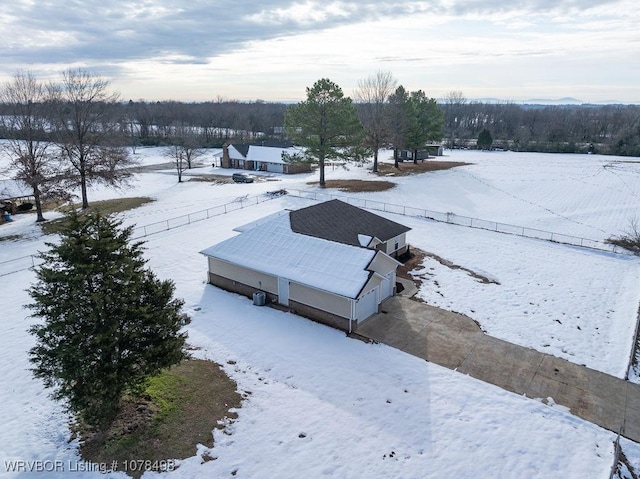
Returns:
(456, 342)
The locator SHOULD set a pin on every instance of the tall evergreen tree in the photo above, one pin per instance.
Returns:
(401, 120)
(326, 124)
(109, 323)
(485, 140)
(427, 124)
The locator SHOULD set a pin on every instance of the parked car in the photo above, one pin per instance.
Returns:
(242, 178)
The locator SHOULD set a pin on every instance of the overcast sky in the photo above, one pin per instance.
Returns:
(273, 49)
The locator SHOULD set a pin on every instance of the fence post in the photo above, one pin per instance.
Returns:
(616, 454)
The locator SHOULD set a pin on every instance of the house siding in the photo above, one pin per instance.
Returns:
(238, 287)
(308, 311)
(293, 168)
(391, 245)
(320, 316)
(254, 279)
(331, 303)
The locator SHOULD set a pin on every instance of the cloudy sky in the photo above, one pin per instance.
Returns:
(272, 49)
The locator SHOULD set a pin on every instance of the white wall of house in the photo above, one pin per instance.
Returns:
(332, 303)
(260, 281)
(400, 240)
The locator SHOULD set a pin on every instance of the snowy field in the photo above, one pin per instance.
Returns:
(323, 405)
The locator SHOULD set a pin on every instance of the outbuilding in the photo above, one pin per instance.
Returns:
(333, 282)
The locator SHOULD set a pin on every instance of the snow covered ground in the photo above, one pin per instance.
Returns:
(323, 405)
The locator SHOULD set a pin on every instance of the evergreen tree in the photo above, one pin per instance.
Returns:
(485, 140)
(427, 123)
(109, 323)
(401, 120)
(326, 124)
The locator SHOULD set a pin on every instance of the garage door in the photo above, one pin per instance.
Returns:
(386, 287)
(367, 305)
(275, 167)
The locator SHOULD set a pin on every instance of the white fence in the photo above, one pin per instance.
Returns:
(25, 262)
(459, 220)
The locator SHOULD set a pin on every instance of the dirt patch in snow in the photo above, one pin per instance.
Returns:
(178, 410)
(473, 274)
(357, 186)
(411, 260)
(414, 258)
(409, 168)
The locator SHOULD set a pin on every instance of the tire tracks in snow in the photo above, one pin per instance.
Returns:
(548, 210)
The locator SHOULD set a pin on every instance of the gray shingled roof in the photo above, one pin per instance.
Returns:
(338, 221)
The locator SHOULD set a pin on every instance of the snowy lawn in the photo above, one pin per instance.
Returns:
(573, 303)
(321, 405)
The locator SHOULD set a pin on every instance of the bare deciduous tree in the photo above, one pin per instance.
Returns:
(29, 151)
(454, 102)
(373, 97)
(184, 148)
(86, 131)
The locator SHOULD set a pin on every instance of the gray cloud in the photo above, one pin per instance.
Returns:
(192, 31)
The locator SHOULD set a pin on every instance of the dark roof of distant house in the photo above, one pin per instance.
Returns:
(243, 148)
(338, 221)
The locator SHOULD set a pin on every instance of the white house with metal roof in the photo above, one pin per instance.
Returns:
(275, 157)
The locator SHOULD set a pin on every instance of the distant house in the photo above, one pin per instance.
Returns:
(328, 262)
(15, 190)
(430, 150)
(263, 156)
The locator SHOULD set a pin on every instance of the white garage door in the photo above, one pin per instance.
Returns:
(275, 167)
(386, 287)
(367, 305)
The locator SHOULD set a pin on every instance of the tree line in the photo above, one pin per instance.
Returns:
(603, 129)
(74, 132)
(62, 136)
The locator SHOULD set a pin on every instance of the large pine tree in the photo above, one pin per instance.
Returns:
(326, 124)
(109, 323)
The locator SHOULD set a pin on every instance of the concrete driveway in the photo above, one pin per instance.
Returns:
(456, 342)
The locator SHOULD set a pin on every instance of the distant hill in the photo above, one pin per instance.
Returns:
(533, 101)
(548, 101)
